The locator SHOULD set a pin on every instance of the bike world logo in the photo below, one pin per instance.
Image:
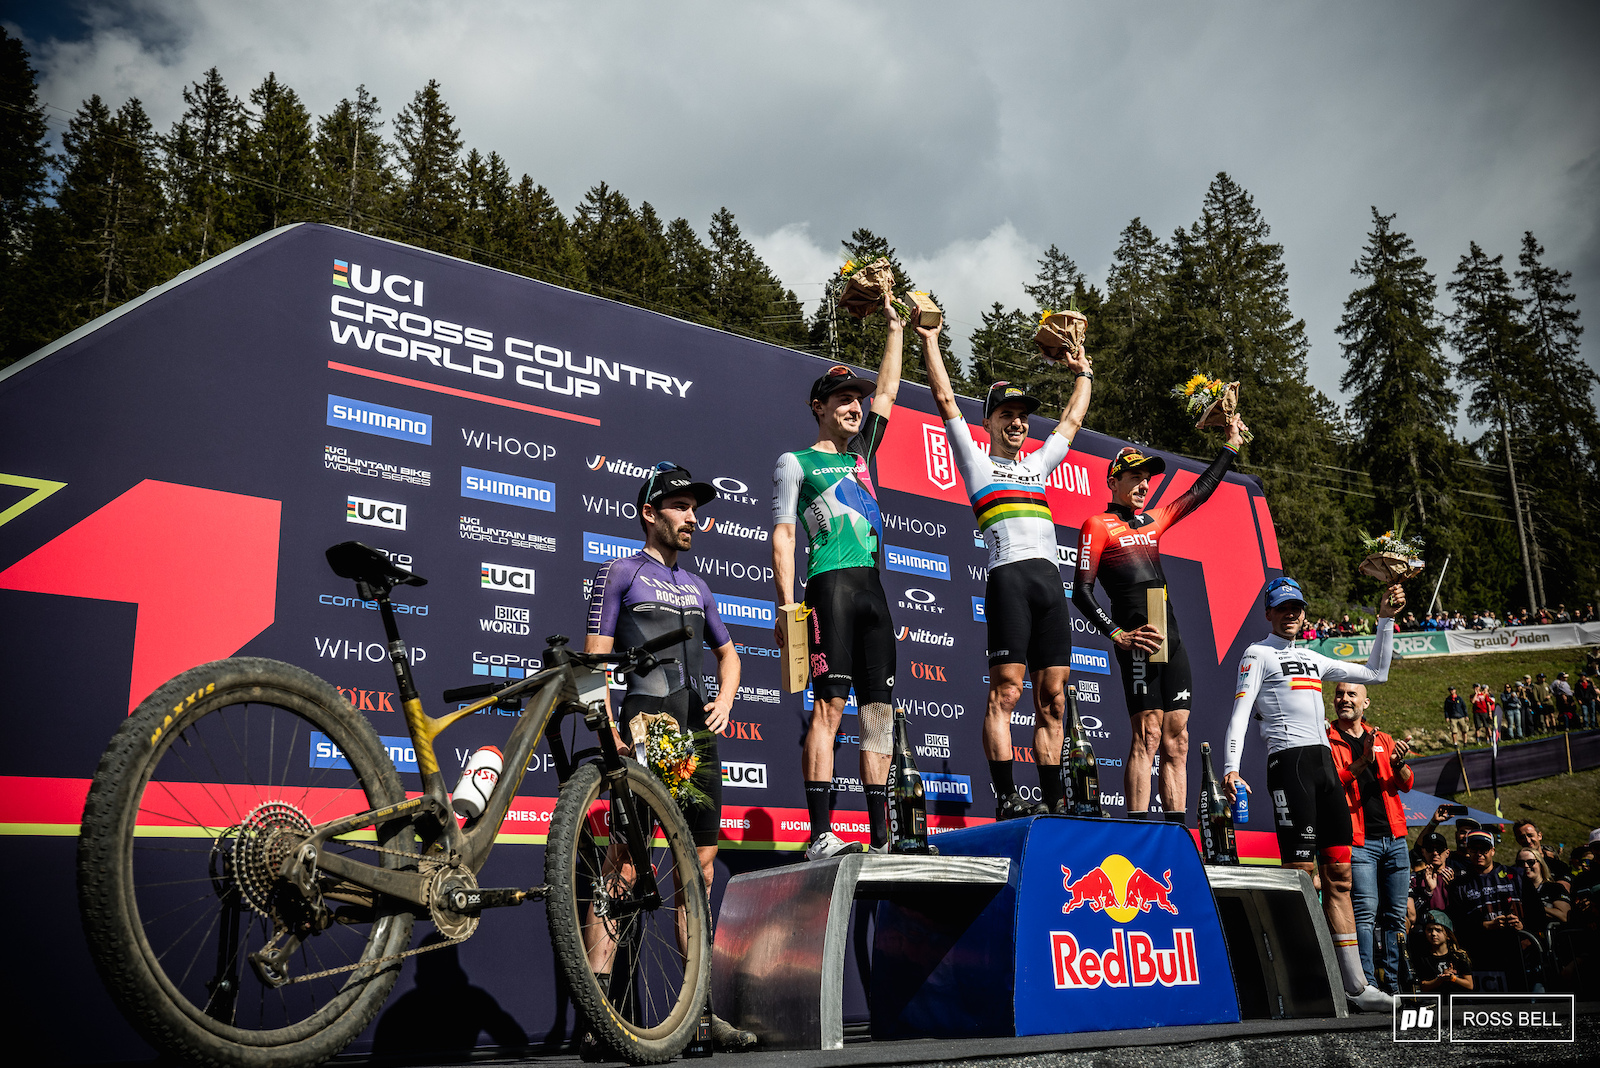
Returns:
(735, 492)
(928, 672)
(326, 754)
(506, 445)
(934, 745)
(1123, 891)
(336, 459)
(473, 529)
(1097, 661)
(339, 600)
(370, 700)
(912, 562)
(505, 665)
(508, 489)
(921, 636)
(940, 465)
(940, 786)
(619, 466)
(371, 513)
(598, 548)
(913, 525)
(920, 600)
(745, 611)
(507, 620)
(747, 776)
(1088, 691)
(712, 567)
(386, 422)
(505, 578)
(396, 287)
(729, 529)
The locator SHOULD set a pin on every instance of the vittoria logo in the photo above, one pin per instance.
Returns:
(936, 452)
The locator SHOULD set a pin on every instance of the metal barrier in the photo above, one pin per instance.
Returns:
(1284, 965)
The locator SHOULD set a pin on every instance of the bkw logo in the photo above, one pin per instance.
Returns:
(941, 466)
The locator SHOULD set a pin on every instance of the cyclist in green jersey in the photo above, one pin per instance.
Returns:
(828, 488)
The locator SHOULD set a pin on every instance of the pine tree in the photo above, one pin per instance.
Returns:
(201, 151)
(1000, 344)
(1401, 404)
(351, 173)
(24, 166)
(1057, 281)
(1129, 340)
(542, 238)
(275, 161)
(610, 241)
(490, 219)
(692, 271)
(837, 334)
(428, 196)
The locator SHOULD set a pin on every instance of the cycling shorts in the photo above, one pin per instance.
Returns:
(1029, 621)
(705, 821)
(1307, 802)
(851, 636)
(1166, 686)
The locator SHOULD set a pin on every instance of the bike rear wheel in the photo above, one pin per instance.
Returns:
(201, 795)
(657, 989)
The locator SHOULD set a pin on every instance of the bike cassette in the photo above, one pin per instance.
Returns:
(263, 840)
(452, 898)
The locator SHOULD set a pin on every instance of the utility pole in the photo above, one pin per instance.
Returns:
(832, 298)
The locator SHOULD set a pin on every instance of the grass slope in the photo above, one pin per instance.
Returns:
(1566, 808)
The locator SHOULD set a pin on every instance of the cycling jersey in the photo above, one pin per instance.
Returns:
(1008, 495)
(831, 495)
(636, 598)
(1121, 547)
(1282, 682)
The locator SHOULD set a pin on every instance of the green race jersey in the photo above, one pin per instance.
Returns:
(830, 494)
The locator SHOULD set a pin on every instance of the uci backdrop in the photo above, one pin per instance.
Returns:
(171, 473)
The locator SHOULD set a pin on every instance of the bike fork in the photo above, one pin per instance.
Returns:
(625, 818)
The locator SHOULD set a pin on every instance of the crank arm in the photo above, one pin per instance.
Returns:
(478, 898)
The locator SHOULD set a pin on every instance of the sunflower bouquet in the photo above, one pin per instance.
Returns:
(1214, 400)
(865, 283)
(1391, 557)
(1060, 333)
(674, 754)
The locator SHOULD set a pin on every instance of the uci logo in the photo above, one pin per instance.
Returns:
(506, 578)
(750, 776)
(372, 513)
(349, 276)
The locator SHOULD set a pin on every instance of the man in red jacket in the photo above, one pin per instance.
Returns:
(1372, 767)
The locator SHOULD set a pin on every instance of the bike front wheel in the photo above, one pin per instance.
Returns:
(205, 790)
(658, 956)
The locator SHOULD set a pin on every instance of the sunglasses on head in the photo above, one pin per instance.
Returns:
(660, 469)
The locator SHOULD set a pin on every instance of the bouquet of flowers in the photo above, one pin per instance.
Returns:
(674, 754)
(1391, 557)
(864, 287)
(1216, 401)
(1060, 333)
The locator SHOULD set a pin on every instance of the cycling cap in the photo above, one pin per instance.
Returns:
(1130, 458)
(840, 377)
(1005, 393)
(1283, 590)
(668, 478)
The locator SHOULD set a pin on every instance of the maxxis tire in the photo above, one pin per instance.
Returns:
(110, 888)
(569, 862)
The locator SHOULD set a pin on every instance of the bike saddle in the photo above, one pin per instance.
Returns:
(363, 563)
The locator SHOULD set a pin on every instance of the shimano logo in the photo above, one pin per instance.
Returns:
(912, 562)
(508, 489)
(1097, 661)
(368, 418)
(744, 610)
(941, 786)
(598, 548)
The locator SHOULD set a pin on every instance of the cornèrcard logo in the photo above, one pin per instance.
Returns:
(508, 489)
(371, 513)
(397, 287)
(749, 776)
(913, 562)
(744, 610)
(1097, 661)
(598, 548)
(917, 599)
(339, 600)
(619, 466)
(920, 636)
(1123, 891)
(936, 452)
(379, 419)
(506, 578)
(733, 491)
(941, 786)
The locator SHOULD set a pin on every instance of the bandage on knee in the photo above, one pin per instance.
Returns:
(877, 728)
(1334, 854)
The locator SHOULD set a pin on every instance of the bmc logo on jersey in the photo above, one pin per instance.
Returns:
(1135, 539)
(936, 452)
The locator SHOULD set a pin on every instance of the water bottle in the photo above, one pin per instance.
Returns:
(478, 781)
(1241, 806)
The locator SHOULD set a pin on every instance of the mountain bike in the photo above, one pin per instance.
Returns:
(251, 866)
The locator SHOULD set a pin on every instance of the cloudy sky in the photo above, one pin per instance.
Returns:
(973, 136)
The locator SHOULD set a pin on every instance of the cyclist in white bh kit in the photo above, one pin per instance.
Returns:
(1281, 683)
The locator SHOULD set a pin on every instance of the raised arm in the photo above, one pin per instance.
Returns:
(889, 371)
(944, 398)
(1078, 404)
(1377, 667)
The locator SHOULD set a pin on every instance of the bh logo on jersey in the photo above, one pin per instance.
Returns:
(936, 451)
(1123, 891)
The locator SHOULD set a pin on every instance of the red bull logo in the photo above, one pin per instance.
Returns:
(1118, 888)
(1122, 890)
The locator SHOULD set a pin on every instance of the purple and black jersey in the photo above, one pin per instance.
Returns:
(636, 598)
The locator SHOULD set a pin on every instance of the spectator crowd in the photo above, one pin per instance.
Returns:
(1525, 707)
(1485, 619)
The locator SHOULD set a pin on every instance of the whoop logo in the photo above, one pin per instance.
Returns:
(936, 453)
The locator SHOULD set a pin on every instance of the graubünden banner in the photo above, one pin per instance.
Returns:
(173, 471)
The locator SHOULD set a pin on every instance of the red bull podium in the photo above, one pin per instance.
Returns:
(1038, 926)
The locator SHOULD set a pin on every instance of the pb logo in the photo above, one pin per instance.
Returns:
(936, 451)
(372, 513)
(1416, 1018)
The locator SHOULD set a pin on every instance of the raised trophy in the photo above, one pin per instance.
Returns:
(1391, 557)
(924, 312)
(1060, 333)
(1216, 401)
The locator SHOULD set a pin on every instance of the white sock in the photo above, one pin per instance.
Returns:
(1344, 946)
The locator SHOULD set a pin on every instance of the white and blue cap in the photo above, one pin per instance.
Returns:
(1283, 590)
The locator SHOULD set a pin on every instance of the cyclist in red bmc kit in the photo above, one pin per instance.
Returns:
(1121, 548)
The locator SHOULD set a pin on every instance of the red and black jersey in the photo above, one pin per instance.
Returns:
(1122, 548)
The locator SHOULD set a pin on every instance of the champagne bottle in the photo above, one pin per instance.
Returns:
(908, 807)
(1216, 823)
(1080, 777)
